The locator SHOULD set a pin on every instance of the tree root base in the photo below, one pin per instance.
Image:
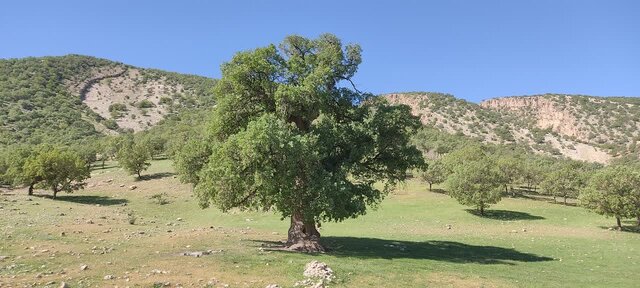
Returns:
(306, 246)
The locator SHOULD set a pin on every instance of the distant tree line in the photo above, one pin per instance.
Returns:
(479, 175)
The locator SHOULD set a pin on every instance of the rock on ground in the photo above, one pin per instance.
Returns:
(320, 270)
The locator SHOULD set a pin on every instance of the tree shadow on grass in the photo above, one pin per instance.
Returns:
(91, 200)
(438, 190)
(630, 229)
(447, 251)
(154, 176)
(505, 215)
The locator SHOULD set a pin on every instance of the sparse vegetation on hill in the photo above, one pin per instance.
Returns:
(72, 99)
(594, 129)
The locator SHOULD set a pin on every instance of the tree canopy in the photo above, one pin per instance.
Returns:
(133, 155)
(292, 133)
(614, 191)
(475, 182)
(56, 169)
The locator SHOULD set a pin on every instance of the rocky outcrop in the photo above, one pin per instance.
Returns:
(543, 110)
(547, 124)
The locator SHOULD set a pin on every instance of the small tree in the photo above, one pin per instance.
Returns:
(476, 183)
(14, 160)
(155, 143)
(134, 156)
(510, 169)
(565, 180)
(87, 152)
(533, 172)
(613, 191)
(57, 170)
(435, 173)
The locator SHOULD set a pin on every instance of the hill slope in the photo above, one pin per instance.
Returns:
(72, 98)
(587, 128)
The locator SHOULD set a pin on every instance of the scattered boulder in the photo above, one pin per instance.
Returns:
(133, 187)
(109, 277)
(273, 286)
(158, 271)
(318, 274)
(84, 267)
(64, 285)
(201, 253)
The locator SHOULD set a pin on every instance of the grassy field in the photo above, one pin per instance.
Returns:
(414, 239)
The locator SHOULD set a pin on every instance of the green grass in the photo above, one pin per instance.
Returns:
(405, 242)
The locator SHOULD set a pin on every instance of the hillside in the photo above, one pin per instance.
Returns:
(73, 98)
(594, 129)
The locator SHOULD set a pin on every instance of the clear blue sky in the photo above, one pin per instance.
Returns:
(472, 49)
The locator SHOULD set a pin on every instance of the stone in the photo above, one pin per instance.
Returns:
(89, 221)
(158, 271)
(272, 286)
(64, 285)
(318, 270)
(84, 267)
(133, 187)
(109, 277)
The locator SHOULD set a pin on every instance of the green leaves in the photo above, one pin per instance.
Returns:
(134, 155)
(475, 180)
(613, 191)
(286, 134)
(565, 180)
(56, 169)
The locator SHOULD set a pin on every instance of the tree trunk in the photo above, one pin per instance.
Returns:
(103, 160)
(565, 200)
(55, 193)
(303, 235)
(31, 189)
(139, 176)
(429, 187)
(554, 199)
(481, 209)
(618, 223)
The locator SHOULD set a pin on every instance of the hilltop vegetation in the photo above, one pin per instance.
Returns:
(586, 128)
(45, 100)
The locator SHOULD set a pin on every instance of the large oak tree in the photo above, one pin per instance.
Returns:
(291, 132)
